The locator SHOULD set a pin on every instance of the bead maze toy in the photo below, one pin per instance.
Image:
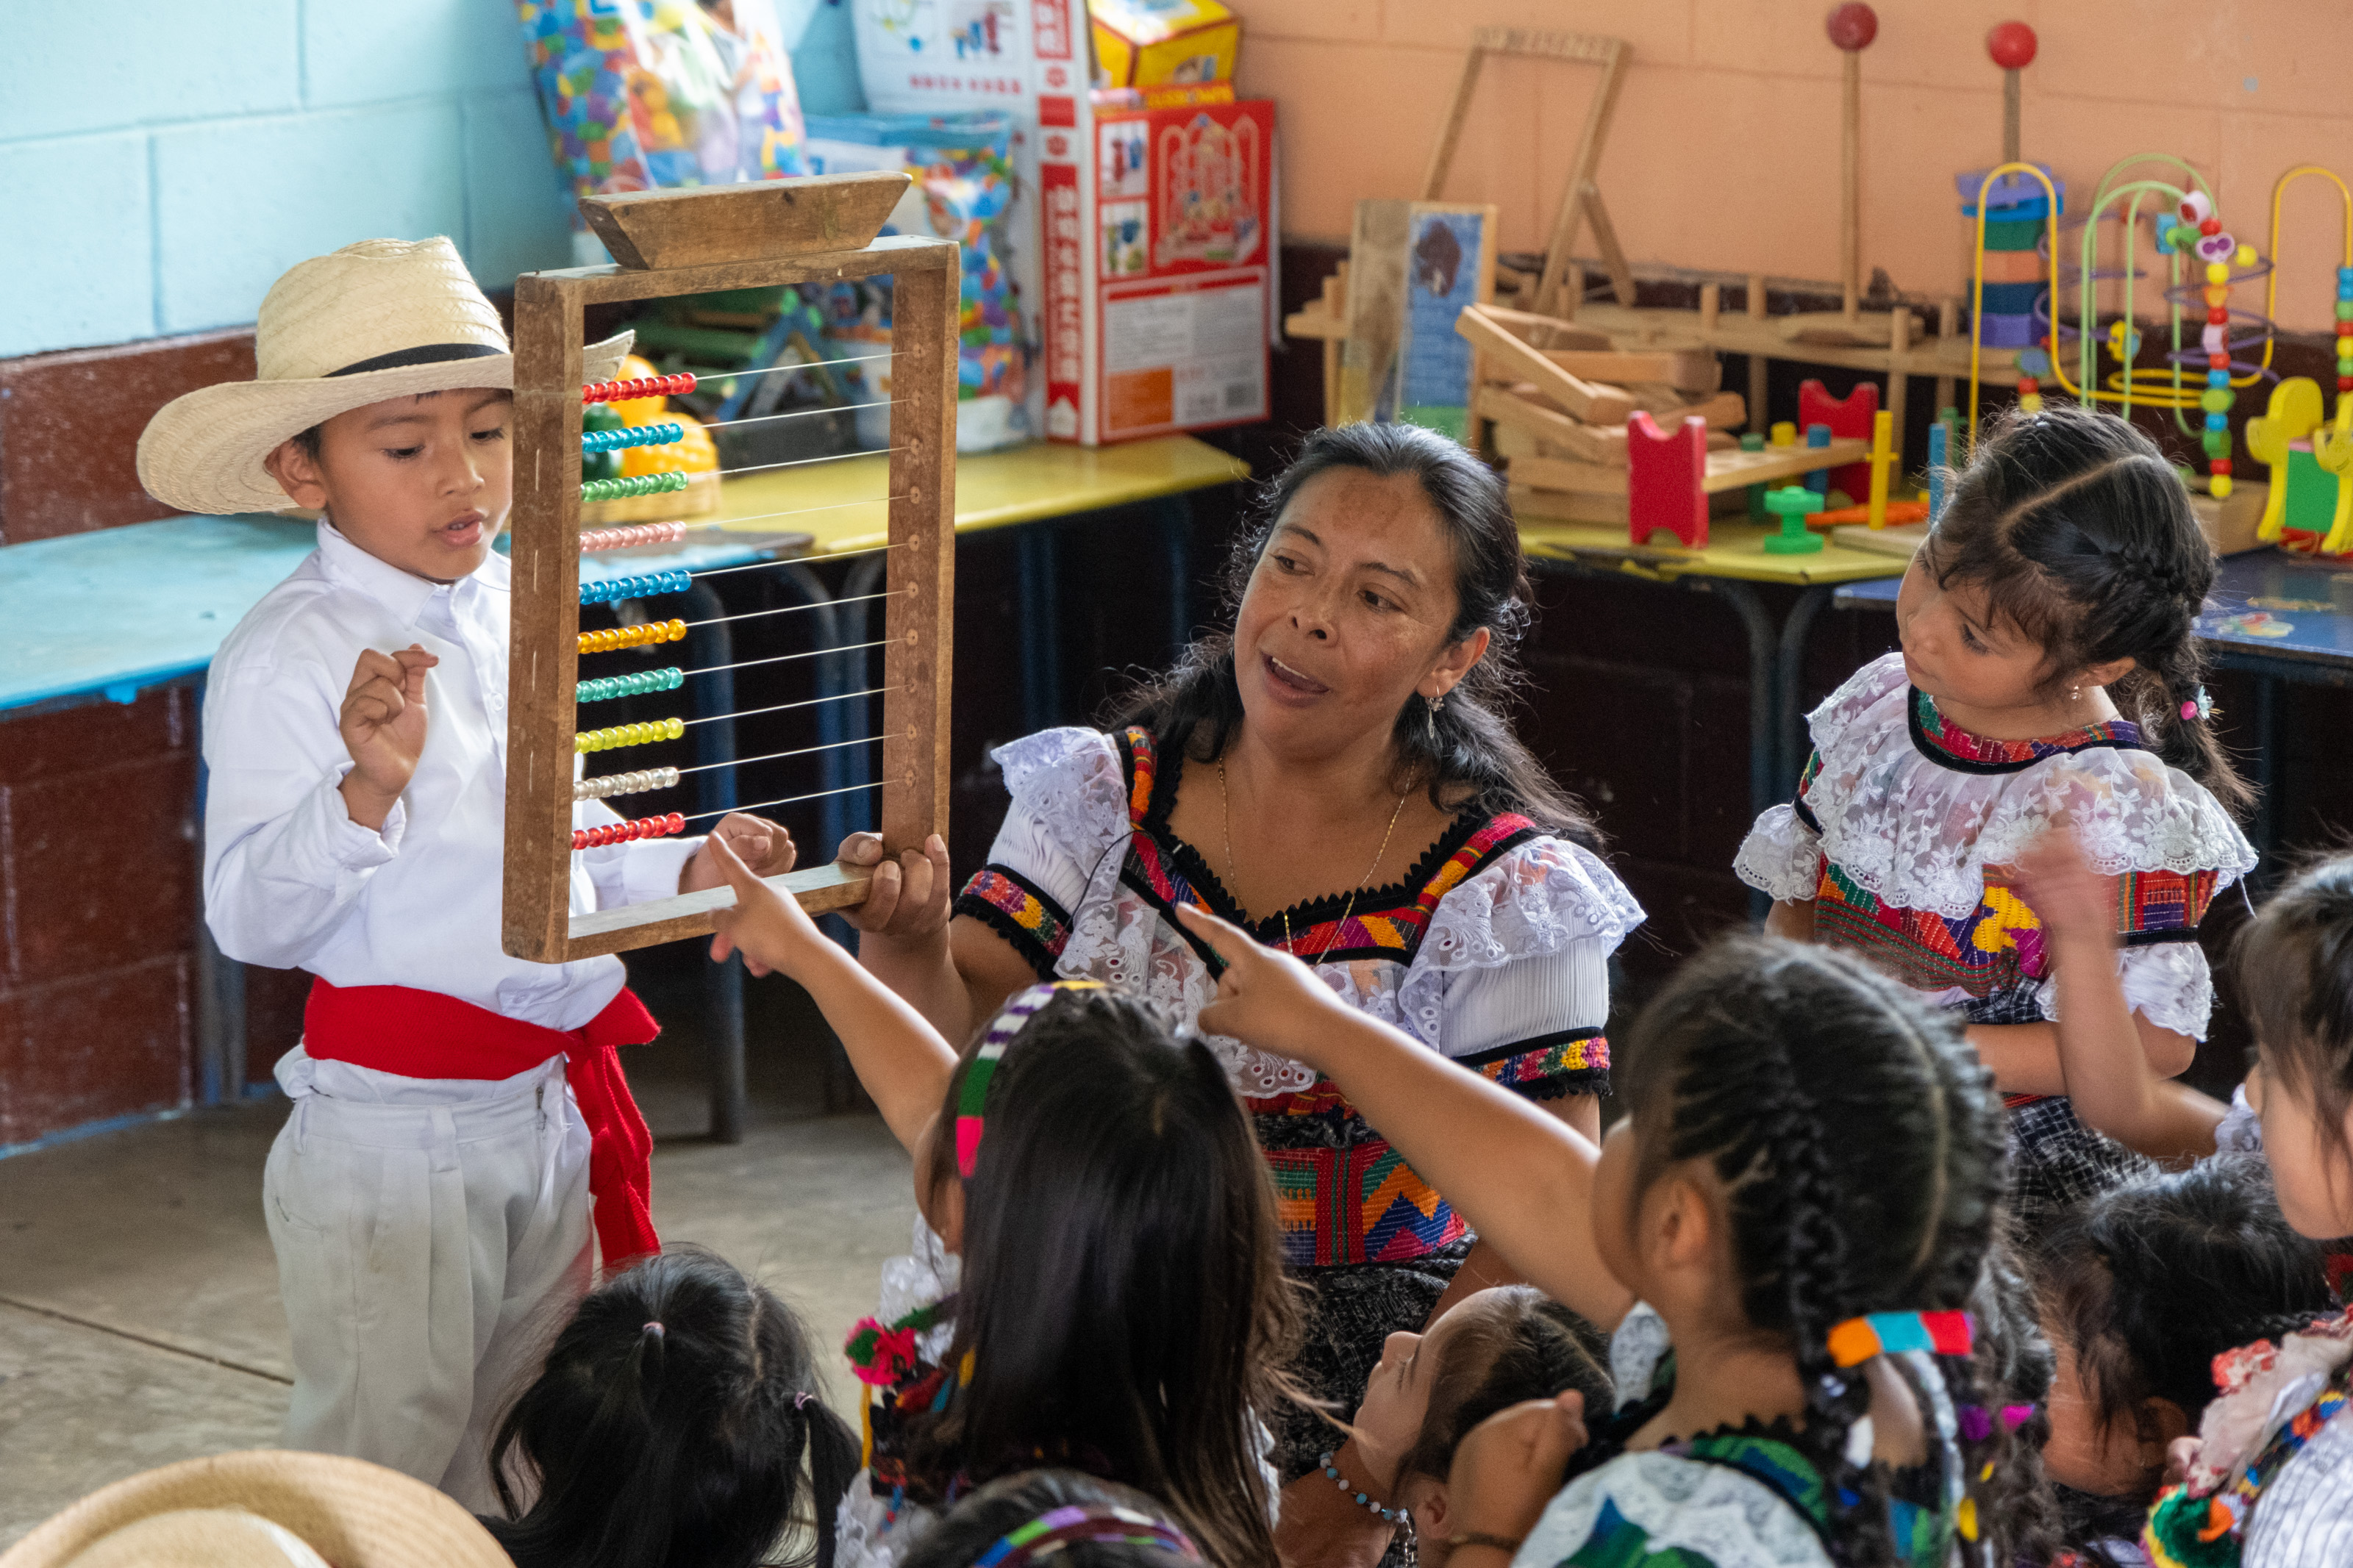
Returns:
(2310, 504)
(694, 242)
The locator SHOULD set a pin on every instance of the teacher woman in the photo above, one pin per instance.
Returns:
(1334, 775)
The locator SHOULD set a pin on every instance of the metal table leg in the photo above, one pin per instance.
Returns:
(2265, 827)
(1174, 515)
(219, 979)
(1041, 650)
(722, 983)
(1764, 640)
(1789, 675)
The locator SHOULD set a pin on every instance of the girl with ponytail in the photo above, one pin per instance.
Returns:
(2049, 679)
(678, 1424)
(1801, 1206)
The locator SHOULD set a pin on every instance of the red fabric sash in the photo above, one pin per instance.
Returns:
(425, 1034)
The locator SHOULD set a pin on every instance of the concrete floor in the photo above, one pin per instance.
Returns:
(139, 1314)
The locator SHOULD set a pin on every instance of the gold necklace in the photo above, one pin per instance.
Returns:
(1226, 828)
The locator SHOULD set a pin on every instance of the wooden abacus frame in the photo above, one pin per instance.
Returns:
(694, 242)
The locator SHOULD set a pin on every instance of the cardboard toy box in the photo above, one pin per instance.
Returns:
(1159, 263)
(1162, 43)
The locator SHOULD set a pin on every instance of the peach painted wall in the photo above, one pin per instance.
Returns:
(1724, 153)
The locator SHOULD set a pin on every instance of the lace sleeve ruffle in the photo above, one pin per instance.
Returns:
(2166, 983)
(1864, 690)
(1070, 782)
(1781, 856)
(1534, 902)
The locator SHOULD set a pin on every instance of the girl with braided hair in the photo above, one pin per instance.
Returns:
(1801, 1203)
(2049, 678)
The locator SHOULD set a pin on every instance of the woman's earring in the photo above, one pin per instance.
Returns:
(1429, 706)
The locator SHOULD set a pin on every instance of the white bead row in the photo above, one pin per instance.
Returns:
(624, 784)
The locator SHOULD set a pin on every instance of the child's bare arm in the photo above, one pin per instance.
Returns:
(1521, 1178)
(899, 1058)
(2109, 1060)
(1791, 919)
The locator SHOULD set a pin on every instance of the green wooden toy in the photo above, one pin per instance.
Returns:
(1792, 505)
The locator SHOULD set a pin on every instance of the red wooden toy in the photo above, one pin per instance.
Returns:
(1662, 480)
(1848, 418)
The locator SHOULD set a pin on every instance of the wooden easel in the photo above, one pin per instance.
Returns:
(1580, 197)
(760, 236)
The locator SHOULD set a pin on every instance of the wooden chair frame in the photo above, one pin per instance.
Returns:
(1580, 197)
(679, 243)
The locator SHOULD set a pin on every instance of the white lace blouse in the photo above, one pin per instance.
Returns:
(1904, 825)
(1495, 948)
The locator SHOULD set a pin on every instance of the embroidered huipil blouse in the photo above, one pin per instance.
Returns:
(1903, 825)
(1493, 951)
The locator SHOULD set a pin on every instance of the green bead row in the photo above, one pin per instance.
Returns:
(611, 686)
(636, 485)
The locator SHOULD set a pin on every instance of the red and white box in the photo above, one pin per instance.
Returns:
(1159, 266)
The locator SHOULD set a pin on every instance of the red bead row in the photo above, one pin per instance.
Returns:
(644, 386)
(627, 832)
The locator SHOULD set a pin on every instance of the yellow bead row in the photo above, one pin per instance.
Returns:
(632, 637)
(629, 735)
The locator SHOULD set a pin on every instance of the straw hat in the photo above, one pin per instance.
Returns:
(229, 1511)
(384, 318)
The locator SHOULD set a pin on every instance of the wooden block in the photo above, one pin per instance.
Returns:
(1730, 470)
(1722, 409)
(1315, 320)
(1662, 481)
(1689, 370)
(1564, 506)
(1514, 441)
(755, 221)
(1523, 409)
(1567, 474)
(1539, 330)
(1590, 402)
(1866, 328)
(1849, 417)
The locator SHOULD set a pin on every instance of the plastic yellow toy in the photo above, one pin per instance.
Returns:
(2311, 501)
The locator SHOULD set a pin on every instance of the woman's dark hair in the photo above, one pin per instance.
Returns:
(1123, 1297)
(1524, 1346)
(1465, 748)
(2293, 966)
(677, 1423)
(980, 1522)
(2080, 534)
(2150, 1282)
(1860, 1144)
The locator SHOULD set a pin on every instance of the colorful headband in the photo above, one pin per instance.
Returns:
(972, 1100)
(1858, 1340)
(1056, 1529)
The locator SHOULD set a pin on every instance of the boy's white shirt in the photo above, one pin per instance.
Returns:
(291, 881)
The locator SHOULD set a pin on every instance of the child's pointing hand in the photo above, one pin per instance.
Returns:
(769, 928)
(1265, 998)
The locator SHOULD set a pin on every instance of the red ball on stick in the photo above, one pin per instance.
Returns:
(2011, 44)
(1851, 27)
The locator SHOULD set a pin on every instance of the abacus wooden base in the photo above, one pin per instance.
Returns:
(817, 887)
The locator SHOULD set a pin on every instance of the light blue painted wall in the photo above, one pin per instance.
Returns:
(162, 161)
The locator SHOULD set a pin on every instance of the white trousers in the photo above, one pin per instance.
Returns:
(426, 1255)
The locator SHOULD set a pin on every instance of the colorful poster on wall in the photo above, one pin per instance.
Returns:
(1412, 266)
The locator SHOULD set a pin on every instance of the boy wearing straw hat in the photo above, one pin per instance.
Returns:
(457, 1111)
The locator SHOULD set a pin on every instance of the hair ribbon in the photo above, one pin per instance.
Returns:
(972, 1097)
(1859, 1339)
(1052, 1531)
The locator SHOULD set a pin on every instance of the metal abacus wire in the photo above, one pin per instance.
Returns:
(558, 807)
(640, 587)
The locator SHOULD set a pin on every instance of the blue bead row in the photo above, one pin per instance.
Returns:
(611, 588)
(611, 686)
(630, 435)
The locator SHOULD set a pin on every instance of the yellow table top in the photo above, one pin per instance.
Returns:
(843, 502)
(1735, 548)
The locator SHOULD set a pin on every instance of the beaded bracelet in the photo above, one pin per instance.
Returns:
(1387, 1515)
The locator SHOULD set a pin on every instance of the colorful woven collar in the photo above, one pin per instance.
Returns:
(972, 1097)
(1942, 741)
(1051, 1532)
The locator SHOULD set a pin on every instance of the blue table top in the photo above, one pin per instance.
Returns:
(151, 603)
(2269, 604)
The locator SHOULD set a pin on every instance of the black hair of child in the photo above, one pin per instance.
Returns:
(2019, 1521)
(2150, 1282)
(959, 1537)
(1465, 750)
(2294, 966)
(1859, 1143)
(1528, 1347)
(1122, 1297)
(2080, 534)
(671, 1428)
